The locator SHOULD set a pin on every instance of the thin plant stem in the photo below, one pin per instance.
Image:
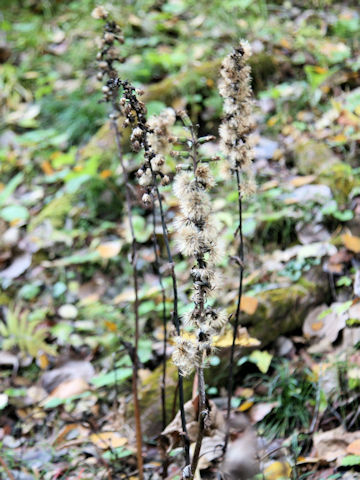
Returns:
(237, 314)
(203, 414)
(136, 305)
(163, 297)
(203, 410)
(175, 316)
(176, 322)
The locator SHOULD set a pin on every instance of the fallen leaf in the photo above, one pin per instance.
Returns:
(277, 471)
(107, 440)
(77, 431)
(17, 268)
(260, 410)
(245, 405)
(302, 180)
(249, 304)
(262, 359)
(351, 242)
(316, 326)
(243, 339)
(332, 444)
(354, 447)
(68, 389)
(68, 311)
(43, 361)
(73, 369)
(109, 249)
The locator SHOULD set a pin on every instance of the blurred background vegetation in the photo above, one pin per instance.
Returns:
(64, 240)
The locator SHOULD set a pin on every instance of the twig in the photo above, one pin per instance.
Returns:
(237, 314)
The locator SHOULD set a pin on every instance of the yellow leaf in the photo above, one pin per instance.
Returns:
(277, 471)
(302, 180)
(111, 326)
(107, 440)
(245, 392)
(351, 242)
(109, 249)
(47, 168)
(319, 69)
(340, 138)
(43, 361)
(248, 305)
(245, 406)
(272, 121)
(106, 174)
(262, 359)
(243, 339)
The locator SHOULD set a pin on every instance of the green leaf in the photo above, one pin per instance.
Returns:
(29, 291)
(262, 359)
(14, 212)
(117, 453)
(110, 378)
(350, 460)
(11, 187)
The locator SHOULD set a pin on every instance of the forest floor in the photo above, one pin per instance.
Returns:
(66, 299)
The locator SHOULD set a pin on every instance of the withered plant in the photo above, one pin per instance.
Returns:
(195, 227)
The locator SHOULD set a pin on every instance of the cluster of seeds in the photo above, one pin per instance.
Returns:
(237, 125)
(197, 234)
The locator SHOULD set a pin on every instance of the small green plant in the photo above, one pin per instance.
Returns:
(293, 392)
(22, 330)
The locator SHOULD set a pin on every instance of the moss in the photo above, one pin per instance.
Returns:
(282, 310)
(313, 157)
(150, 401)
(340, 178)
(55, 211)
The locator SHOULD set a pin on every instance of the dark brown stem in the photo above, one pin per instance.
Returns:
(176, 323)
(203, 414)
(157, 266)
(136, 305)
(237, 314)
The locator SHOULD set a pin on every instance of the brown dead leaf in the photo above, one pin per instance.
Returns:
(68, 389)
(171, 437)
(260, 410)
(107, 440)
(77, 432)
(249, 304)
(354, 447)
(324, 323)
(351, 242)
(332, 444)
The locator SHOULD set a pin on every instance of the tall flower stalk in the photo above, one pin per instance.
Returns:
(150, 175)
(235, 142)
(197, 237)
(106, 57)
